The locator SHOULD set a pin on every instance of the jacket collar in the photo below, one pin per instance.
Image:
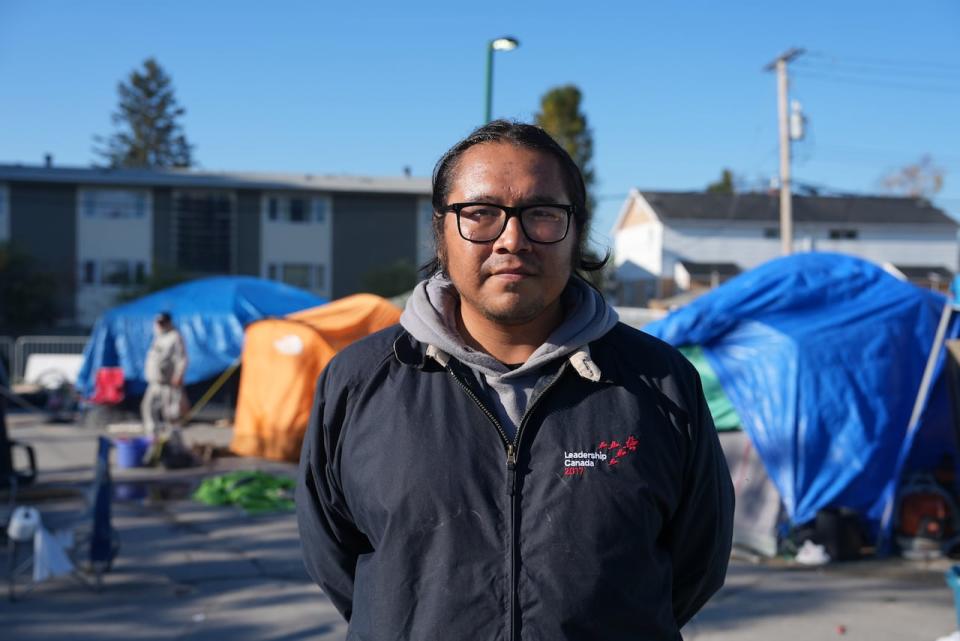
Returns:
(411, 352)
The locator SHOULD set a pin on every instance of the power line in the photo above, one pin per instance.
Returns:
(854, 80)
(889, 153)
(885, 62)
(883, 74)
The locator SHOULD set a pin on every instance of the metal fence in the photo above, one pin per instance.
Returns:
(25, 346)
(639, 317)
(6, 353)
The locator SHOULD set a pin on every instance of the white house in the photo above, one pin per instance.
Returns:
(666, 243)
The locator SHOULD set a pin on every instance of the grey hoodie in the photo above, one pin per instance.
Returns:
(430, 317)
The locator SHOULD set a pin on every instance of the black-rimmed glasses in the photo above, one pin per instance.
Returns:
(484, 222)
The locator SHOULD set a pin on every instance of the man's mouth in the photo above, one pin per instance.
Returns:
(513, 273)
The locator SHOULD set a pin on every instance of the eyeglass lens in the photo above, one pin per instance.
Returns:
(542, 224)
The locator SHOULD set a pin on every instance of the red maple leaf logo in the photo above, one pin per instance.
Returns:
(603, 445)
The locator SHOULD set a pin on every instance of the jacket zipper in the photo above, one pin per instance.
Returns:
(512, 448)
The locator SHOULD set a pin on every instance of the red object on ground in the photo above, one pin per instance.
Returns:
(108, 386)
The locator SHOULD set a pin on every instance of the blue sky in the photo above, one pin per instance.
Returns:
(673, 91)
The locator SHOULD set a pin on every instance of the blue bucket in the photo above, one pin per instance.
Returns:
(953, 580)
(130, 451)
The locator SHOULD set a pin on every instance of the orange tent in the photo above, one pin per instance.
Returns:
(281, 360)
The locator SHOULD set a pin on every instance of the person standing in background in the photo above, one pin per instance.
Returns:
(164, 369)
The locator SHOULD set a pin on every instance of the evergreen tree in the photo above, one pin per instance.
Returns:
(560, 116)
(723, 186)
(149, 132)
(28, 294)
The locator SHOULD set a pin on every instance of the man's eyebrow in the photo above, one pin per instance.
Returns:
(479, 198)
(544, 200)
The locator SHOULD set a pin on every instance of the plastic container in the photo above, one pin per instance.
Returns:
(130, 451)
(953, 580)
(23, 524)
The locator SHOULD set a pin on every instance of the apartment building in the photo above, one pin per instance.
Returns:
(100, 231)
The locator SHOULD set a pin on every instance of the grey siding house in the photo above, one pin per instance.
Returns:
(101, 231)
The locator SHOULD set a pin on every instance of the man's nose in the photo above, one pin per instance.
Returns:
(512, 240)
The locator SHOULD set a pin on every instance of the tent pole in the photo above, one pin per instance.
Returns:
(922, 393)
(931, 365)
(217, 384)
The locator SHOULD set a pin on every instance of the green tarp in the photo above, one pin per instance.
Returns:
(252, 491)
(724, 416)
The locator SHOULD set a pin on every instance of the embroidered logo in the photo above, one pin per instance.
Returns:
(607, 453)
(619, 449)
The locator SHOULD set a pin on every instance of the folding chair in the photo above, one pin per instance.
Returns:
(108, 386)
(96, 543)
(12, 479)
(108, 393)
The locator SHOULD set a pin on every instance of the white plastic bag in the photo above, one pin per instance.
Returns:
(49, 554)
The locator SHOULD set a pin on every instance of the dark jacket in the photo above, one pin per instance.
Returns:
(609, 517)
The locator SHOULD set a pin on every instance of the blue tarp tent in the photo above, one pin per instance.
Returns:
(210, 314)
(822, 356)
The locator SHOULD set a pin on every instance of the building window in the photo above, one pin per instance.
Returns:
(299, 212)
(115, 204)
(112, 272)
(843, 234)
(204, 229)
(320, 277)
(297, 274)
(4, 213)
(88, 272)
(297, 209)
(771, 232)
(116, 272)
(425, 240)
(302, 275)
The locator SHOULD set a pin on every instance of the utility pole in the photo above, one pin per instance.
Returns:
(786, 206)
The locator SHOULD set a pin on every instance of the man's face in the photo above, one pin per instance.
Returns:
(510, 280)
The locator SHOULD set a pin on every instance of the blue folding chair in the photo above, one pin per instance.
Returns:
(96, 542)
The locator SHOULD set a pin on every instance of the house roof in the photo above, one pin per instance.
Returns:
(185, 178)
(708, 269)
(765, 208)
(629, 271)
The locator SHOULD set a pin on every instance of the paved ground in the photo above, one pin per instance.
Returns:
(187, 571)
(867, 600)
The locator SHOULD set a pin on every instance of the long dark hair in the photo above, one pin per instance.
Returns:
(528, 137)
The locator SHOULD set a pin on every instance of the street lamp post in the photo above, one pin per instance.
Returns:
(504, 43)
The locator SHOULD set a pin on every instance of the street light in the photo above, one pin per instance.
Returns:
(505, 43)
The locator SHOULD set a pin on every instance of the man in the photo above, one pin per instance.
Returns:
(510, 462)
(164, 368)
